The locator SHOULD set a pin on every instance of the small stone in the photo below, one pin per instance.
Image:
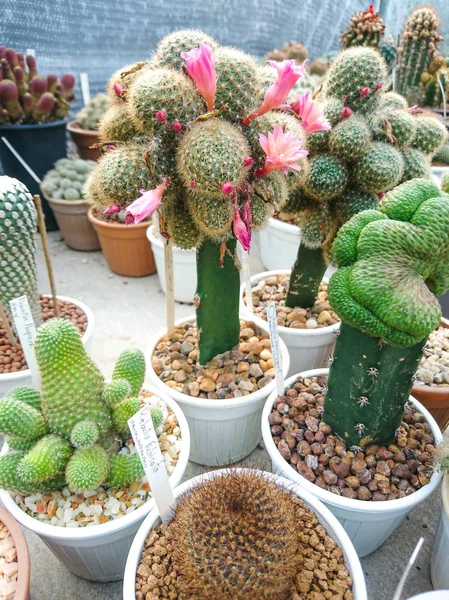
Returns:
(180, 376)
(242, 366)
(265, 354)
(207, 385)
(264, 381)
(284, 450)
(255, 371)
(186, 348)
(246, 385)
(305, 471)
(323, 317)
(194, 388)
(246, 333)
(311, 323)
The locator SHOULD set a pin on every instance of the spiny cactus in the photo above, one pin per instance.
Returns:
(365, 29)
(70, 432)
(442, 155)
(392, 267)
(67, 179)
(25, 96)
(289, 50)
(18, 221)
(234, 533)
(198, 112)
(418, 47)
(91, 114)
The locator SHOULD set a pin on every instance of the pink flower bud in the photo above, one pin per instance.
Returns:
(192, 185)
(161, 116)
(379, 85)
(119, 90)
(381, 194)
(112, 210)
(248, 161)
(346, 112)
(177, 126)
(111, 146)
(364, 92)
(227, 188)
(129, 219)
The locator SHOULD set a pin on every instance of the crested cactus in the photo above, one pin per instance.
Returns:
(26, 96)
(210, 154)
(365, 29)
(18, 221)
(392, 267)
(70, 432)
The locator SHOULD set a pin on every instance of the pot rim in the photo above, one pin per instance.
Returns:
(433, 390)
(23, 554)
(4, 377)
(352, 561)
(153, 239)
(75, 127)
(57, 532)
(400, 504)
(65, 202)
(93, 219)
(284, 227)
(208, 403)
(57, 123)
(284, 330)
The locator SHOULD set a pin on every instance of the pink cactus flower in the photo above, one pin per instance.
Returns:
(247, 215)
(283, 149)
(111, 146)
(311, 115)
(413, 108)
(146, 204)
(240, 229)
(227, 188)
(161, 116)
(200, 65)
(248, 161)
(288, 73)
(112, 210)
(346, 112)
(364, 92)
(119, 91)
(177, 126)
(379, 85)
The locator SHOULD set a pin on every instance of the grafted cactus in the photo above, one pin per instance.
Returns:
(392, 267)
(18, 220)
(209, 149)
(70, 433)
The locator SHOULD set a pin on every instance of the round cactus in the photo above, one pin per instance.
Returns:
(416, 164)
(396, 126)
(349, 138)
(392, 100)
(380, 168)
(67, 179)
(169, 50)
(116, 125)
(430, 135)
(327, 177)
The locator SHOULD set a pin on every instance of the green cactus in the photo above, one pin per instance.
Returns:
(442, 154)
(169, 49)
(365, 29)
(393, 125)
(397, 253)
(91, 114)
(66, 180)
(327, 177)
(349, 138)
(445, 183)
(379, 168)
(74, 439)
(18, 222)
(389, 52)
(416, 164)
(116, 126)
(430, 135)
(392, 100)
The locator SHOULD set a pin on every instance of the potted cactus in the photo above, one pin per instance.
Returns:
(33, 117)
(72, 437)
(63, 188)
(18, 277)
(84, 129)
(365, 451)
(375, 143)
(271, 524)
(214, 156)
(15, 559)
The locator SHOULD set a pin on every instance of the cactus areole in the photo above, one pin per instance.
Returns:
(196, 135)
(392, 267)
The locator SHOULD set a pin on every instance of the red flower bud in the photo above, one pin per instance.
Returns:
(177, 126)
(227, 188)
(248, 161)
(346, 112)
(364, 92)
(161, 116)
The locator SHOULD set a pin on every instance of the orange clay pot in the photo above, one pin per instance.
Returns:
(23, 555)
(84, 138)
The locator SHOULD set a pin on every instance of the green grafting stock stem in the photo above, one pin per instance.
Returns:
(307, 274)
(217, 295)
(352, 381)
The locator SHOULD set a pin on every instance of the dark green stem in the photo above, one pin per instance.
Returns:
(217, 296)
(364, 368)
(308, 272)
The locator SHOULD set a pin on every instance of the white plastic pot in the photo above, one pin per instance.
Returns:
(308, 348)
(98, 553)
(439, 595)
(368, 524)
(439, 564)
(279, 243)
(222, 431)
(184, 268)
(8, 381)
(325, 517)
(438, 172)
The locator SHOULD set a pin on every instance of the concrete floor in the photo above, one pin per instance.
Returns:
(128, 313)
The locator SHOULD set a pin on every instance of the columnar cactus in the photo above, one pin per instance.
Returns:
(209, 149)
(375, 144)
(70, 432)
(418, 48)
(392, 267)
(365, 29)
(25, 96)
(18, 221)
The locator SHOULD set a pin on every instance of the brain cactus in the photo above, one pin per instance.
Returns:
(365, 29)
(70, 432)
(91, 114)
(392, 267)
(195, 136)
(26, 96)
(375, 144)
(67, 179)
(18, 221)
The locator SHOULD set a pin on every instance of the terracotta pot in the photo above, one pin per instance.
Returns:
(23, 555)
(125, 247)
(84, 139)
(435, 398)
(77, 231)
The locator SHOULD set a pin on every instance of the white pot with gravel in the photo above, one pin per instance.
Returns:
(438, 568)
(368, 523)
(184, 267)
(279, 243)
(310, 346)
(222, 409)
(317, 515)
(93, 539)
(8, 381)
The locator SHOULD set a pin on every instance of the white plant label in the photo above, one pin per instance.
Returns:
(26, 330)
(85, 88)
(275, 347)
(244, 259)
(169, 285)
(147, 445)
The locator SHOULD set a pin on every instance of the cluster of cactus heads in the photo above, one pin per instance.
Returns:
(66, 181)
(375, 144)
(91, 114)
(392, 268)
(419, 59)
(26, 96)
(18, 221)
(295, 50)
(365, 29)
(71, 431)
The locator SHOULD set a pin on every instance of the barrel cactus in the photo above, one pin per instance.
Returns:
(67, 179)
(200, 137)
(392, 266)
(71, 432)
(18, 221)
